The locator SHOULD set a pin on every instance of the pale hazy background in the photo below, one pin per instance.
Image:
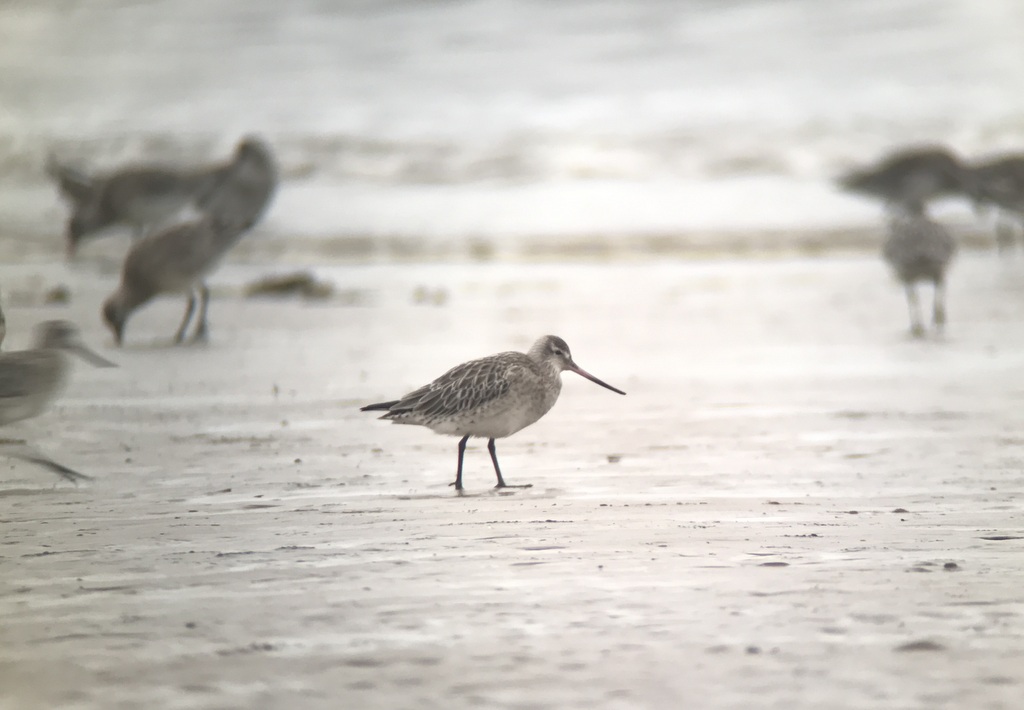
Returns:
(499, 119)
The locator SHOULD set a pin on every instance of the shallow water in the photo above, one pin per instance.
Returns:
(510, 119)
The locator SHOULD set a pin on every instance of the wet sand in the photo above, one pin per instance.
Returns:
(796, 505)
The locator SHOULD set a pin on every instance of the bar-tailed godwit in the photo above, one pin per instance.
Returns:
(492, 397)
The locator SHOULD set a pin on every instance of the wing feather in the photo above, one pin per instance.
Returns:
(465, 387)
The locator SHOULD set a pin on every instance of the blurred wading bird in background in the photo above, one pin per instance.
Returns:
(31, 379)
(148, 197)
(999, 183)
(178, 259)
(911, 176)
(919, 249)
(492, 397)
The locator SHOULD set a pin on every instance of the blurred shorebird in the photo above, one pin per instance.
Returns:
(31, 379)
(140, 197)
(148, 197)
(3, 326)
(919, 249)
(999, 183)
(909, 176)
(242, 190)
(176, 260)
(179, 258)
(492, 397)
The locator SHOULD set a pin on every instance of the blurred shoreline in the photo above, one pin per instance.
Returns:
(355, 249)
(510, 129)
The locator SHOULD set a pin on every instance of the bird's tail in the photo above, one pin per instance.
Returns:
(379, 407)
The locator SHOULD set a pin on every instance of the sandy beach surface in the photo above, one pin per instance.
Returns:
(795, 506)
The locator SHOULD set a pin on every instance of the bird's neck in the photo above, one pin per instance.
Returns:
(551, 371)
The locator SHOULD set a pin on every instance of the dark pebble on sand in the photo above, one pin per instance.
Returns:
(299, 283)
(921, 646)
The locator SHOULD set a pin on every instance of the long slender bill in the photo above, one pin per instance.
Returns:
(92, 358)
(583, 373)
(61, 470)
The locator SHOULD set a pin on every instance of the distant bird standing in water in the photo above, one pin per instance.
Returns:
(31, 379)
(910, 176)
(3, 326)
(142, 197)
(179, 258)
(919, 249)
(492, 397)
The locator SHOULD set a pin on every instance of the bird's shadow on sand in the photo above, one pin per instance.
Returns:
(483, 493)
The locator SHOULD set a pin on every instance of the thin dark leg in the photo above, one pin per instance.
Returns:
(61, 470)
(1005, 235)
(189, 310)
(68, 474)
(497, 470)
(204, 300)
(494, 459)
(916, 329)
(939, 305)
(458, 471)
